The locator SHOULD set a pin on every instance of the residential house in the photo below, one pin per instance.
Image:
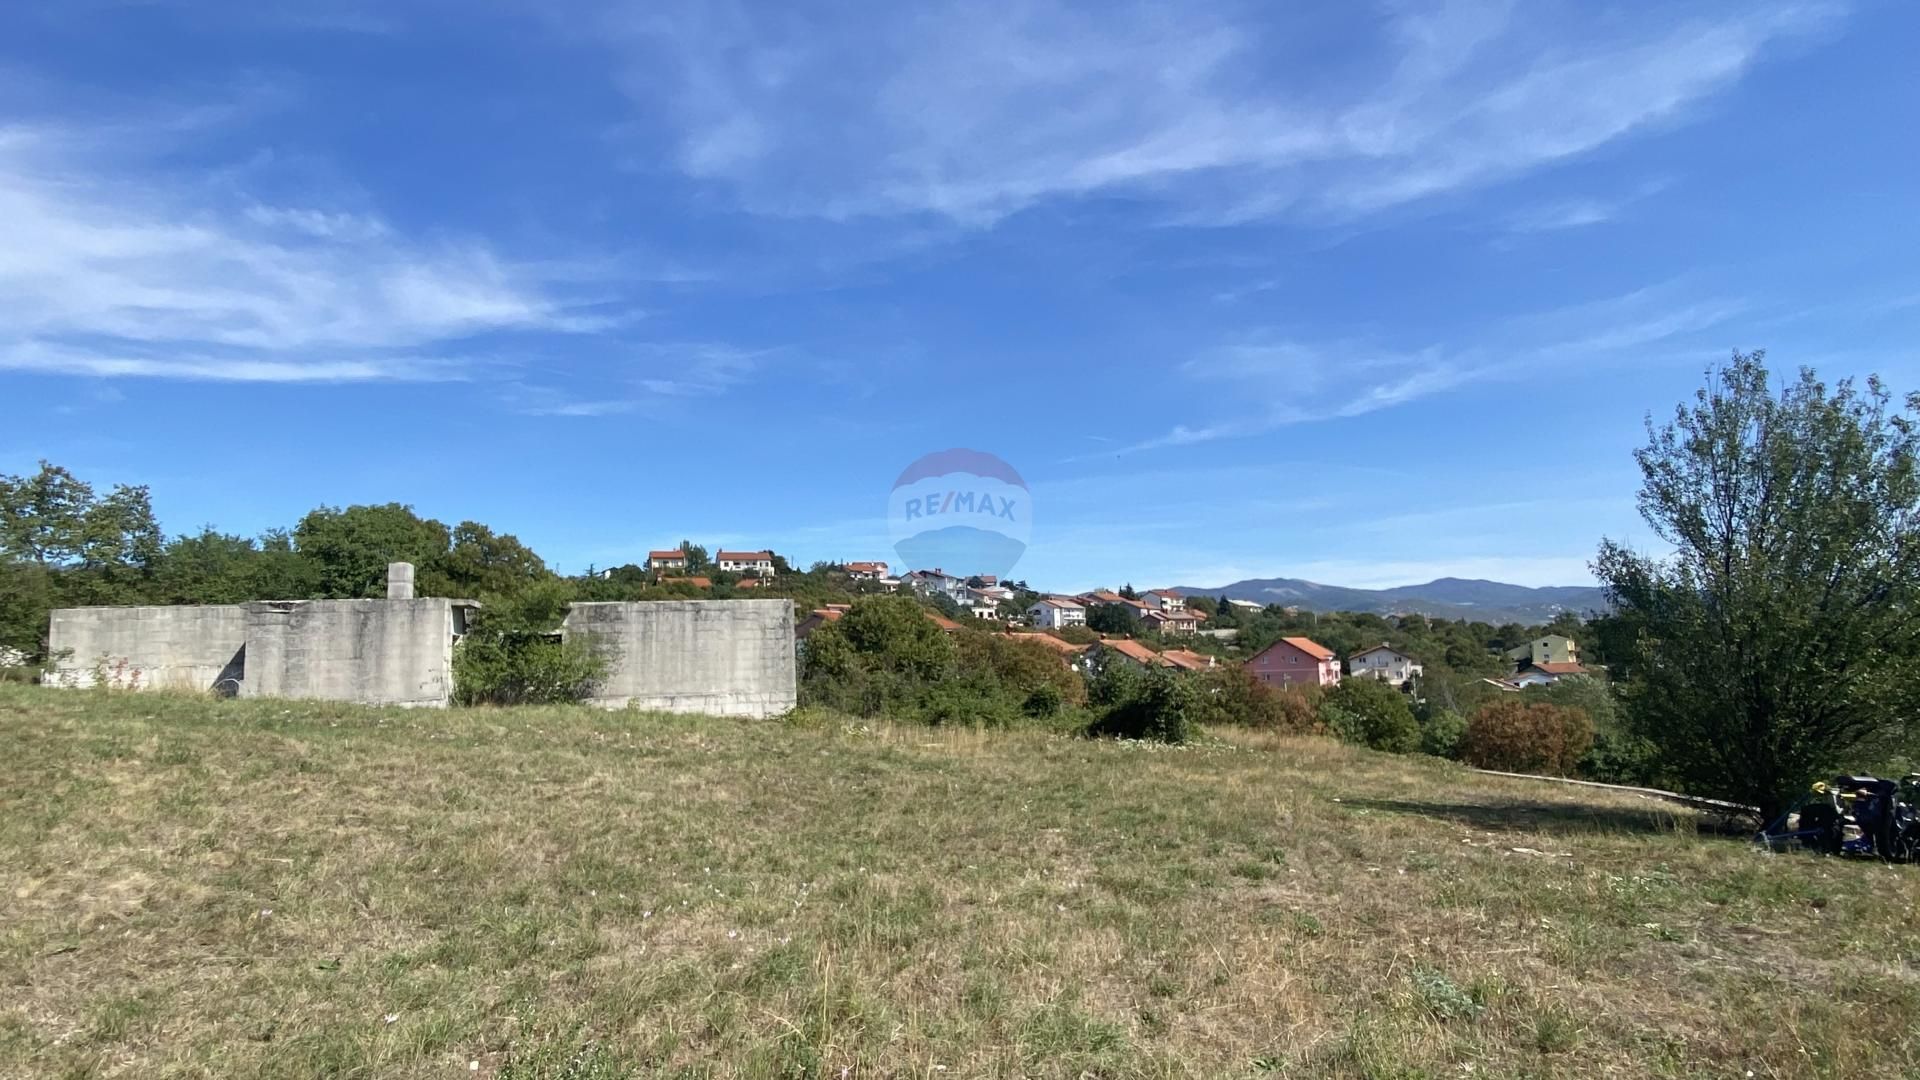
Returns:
(819, 617)
(936, 582)
(1056, 612)
(1246, 605)
(1122, 650)
(984, 609)
(1074, 656)
(1102, 596)
(1546, 649)
(1187, 660)
(1296, 661)
(745, 562)
(1545, 674)
(666, 560)
(1389, 665)
(1165, 599)
(1178, 623)
(888, 584)
(866, 571)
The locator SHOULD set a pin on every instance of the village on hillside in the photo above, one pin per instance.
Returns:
(1099, 627)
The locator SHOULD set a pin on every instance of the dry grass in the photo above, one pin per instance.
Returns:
(281, 889)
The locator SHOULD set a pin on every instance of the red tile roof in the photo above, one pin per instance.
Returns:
(747, 583)
(1310, 647)
(744, 556)
(1560, 669)
(830, 613)
(1051, 642)
(1132, 650)
(676, 553)
(702, 582)
(867, 567)
(1187, 660)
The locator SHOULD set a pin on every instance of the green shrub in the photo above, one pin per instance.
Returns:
(1044, 701)
(1161, 708)
(1370, 713)
(496, 667)
(1620, 757)
(1441, 734)
(1231, 695)
(1515, 736)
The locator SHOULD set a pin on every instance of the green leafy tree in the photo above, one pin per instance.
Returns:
(350, 548)
(1113, 619)
(1781, 639)
(1372, 714)
(482, 563)
(55, 519)
(697, 558)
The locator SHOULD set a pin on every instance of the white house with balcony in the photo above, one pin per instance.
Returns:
(1057, 612)
(1385, 663)
(745, 562)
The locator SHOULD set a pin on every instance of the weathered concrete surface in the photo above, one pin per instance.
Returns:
(150, 648)
(722, 657)
(377, 652)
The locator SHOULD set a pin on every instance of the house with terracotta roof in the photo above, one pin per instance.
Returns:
(1179, 623)
(1056, 612)
(675, 559)
(866, 571)
(1385, 663)
(1546, 674)
(1165, 599)
(1101, 596)
(818, 618)
(1187, 660)
(1295, 661)
(1122, 650)
(1074, 656)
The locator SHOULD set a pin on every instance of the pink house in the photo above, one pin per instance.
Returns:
(1293, 661)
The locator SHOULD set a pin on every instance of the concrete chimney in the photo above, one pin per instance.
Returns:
(399, 581)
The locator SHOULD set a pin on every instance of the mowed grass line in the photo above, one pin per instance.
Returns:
(194, 887)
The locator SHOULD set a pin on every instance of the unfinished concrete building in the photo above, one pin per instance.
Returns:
(150, 648)
(720, 657)
(728, 657)
(396, 651)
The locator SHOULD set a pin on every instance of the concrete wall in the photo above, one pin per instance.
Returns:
(150, 648)
(378, 652)
(723, 657)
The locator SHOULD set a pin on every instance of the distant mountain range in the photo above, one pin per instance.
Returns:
(1447, 598)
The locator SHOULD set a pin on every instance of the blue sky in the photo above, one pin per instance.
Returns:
(1367, 293)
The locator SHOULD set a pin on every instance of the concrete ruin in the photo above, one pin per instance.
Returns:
(719, 657)
(150, 648)
(727, 657)
(397, 651)
(378, 652)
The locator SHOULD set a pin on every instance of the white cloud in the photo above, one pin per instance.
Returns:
(114, 269)
(1290, 381)
(974, 112)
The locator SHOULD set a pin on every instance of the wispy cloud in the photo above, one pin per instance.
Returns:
(647, 374)
(1292, 381)
(115, 268)
(947, 110)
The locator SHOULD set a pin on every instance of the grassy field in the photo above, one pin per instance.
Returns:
(190, 887)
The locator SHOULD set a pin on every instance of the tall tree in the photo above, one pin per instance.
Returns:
(351, 548)
(1781, 639)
